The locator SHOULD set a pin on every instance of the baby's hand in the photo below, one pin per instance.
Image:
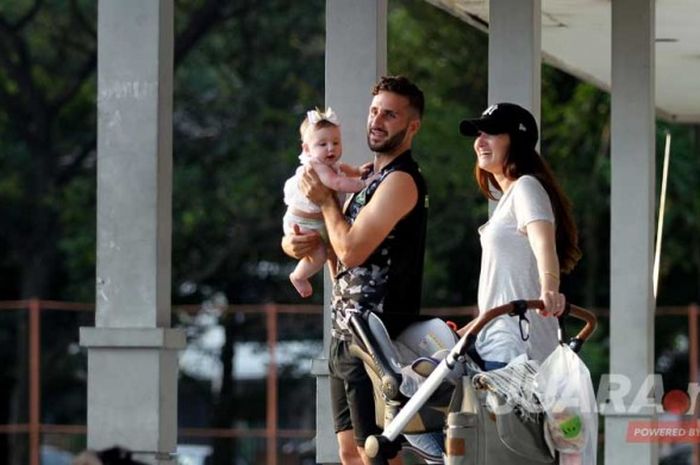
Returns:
(365, 168)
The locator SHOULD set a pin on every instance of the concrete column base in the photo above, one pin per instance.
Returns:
(132, 390)
(329, 453)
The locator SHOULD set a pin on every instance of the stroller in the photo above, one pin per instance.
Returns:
(455, 396)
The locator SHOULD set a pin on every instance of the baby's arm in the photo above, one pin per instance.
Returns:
(335, 181)
(350, 170)
(360, 170)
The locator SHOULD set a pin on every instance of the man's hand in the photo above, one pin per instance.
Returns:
(299, 244)
(313, 188)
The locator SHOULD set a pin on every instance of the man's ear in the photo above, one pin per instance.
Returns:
(414, 126)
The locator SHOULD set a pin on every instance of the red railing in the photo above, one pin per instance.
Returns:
(271, 433)
(35, 428)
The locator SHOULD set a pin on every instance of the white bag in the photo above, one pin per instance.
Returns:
(563, 386)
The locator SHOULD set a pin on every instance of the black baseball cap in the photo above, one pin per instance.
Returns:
(503, 118)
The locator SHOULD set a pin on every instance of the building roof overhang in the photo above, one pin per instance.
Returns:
(576, 38)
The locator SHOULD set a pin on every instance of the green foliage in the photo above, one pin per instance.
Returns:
(46, 132)
(245, 73)
(576, 143)
(239, 99)
(679, 280)
(448, 61)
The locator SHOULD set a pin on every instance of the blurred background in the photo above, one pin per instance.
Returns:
(246, 72)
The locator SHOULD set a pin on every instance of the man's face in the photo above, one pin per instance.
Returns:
(390, 119)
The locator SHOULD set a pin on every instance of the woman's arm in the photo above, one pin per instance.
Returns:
(542, 241)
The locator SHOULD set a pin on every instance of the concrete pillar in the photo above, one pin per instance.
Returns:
(132, 352)
(515, 57)
(632, 226)
(355, 59)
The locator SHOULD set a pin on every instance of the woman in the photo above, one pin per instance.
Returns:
(528, 241)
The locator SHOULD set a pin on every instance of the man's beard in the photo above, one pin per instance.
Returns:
(388, 145)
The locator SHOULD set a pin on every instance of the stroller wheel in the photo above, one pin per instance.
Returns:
(372, 446)
(379, 446)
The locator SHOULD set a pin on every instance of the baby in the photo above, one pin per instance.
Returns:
(321, 149)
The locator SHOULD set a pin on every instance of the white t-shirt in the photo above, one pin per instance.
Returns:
(509, 272)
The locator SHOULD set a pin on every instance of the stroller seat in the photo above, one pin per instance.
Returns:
(485, 425)
(397, 367)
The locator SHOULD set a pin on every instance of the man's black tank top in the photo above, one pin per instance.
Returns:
(389, 282)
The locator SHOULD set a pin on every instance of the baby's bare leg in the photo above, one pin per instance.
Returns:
(306, 268)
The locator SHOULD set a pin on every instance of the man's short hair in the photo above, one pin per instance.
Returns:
(403, 86)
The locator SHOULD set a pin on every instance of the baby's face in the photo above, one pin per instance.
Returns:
(324, 144)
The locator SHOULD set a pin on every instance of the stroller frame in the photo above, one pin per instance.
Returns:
(372, 351)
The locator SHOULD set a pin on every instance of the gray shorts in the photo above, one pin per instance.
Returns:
(352, 394)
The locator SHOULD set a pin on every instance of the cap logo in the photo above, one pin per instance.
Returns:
(521, 127)
(490, 110)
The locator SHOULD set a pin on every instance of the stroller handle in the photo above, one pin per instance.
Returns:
(519, 308)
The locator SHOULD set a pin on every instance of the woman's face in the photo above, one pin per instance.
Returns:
(492, 152)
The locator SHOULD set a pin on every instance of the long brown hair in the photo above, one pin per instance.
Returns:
(522, 160)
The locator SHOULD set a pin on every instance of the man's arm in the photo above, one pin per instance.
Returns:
(393, 199)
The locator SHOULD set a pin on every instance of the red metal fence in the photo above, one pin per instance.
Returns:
(34, 428)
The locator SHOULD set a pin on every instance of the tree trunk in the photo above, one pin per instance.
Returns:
(225, 448)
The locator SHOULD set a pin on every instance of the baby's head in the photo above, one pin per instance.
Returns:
(320, 136)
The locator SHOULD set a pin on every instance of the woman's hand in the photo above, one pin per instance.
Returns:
(554, 303)
(299, 244)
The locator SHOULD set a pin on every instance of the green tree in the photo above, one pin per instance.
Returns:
(47, 153)
(245, 73)
(47, 137)
(576, 142)
(679, 277)
(447, 60)
(238, 103)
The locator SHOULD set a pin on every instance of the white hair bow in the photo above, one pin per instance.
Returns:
(316, 116)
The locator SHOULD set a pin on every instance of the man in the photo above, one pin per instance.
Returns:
(379, 243)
